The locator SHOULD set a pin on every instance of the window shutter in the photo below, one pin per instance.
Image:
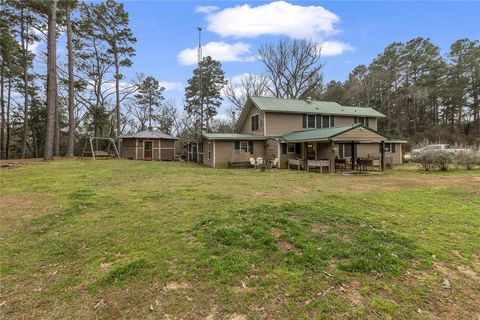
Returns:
(304, 120)
(318, 120)
(355, 119)
(340, 150)
(250, 147)
(237, 145)
(332, 121)
(380, 148)
(252, 120)
(366, 122)
(284, 148)
(392, 147)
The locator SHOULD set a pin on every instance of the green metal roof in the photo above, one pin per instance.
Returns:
(317, 134)
(233, 136)
(269, 104)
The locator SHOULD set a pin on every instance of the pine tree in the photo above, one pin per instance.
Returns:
(115, 25)
(149, 99)
(213, 80)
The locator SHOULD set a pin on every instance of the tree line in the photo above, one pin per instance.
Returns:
(50, 102)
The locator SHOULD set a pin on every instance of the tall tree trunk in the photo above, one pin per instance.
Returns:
(52, 81)
(117, 91)
(9, 96)
(56, 137)
(2, 102)
(71, 83)
(24, 36)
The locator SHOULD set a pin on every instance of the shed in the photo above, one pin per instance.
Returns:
(147, 145)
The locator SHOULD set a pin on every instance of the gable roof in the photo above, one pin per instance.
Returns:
(233, 136)
(321, 134)
(147, 134)
(278, 105)
(269, 104)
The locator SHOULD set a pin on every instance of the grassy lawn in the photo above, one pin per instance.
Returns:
(132, 239)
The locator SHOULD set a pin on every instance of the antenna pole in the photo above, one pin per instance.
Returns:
(200, 58)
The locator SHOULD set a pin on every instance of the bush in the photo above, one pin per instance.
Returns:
(467, 158)
(443, 159)
(426, 158)
(434, 158)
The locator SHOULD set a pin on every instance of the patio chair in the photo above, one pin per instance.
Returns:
(259, 160)
(253, 163)
(275, 163)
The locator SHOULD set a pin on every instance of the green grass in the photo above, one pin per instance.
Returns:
(132, 239)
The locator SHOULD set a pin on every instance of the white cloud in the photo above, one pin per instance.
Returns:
(220, 51)
(205, 9)
(172, 86)
(334, 48)
(275, 18)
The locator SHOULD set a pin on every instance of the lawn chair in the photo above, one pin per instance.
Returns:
(275, 163)
(259, 160)
(253, 163)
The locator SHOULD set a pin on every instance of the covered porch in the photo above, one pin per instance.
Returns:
(345, 149)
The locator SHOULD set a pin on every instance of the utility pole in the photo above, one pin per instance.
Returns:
(200, 58)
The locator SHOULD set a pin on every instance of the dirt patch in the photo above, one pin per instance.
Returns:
(285, 246)
(177, 286)
(350, 290)
(237, 316)
(276, 232)
(321, 227)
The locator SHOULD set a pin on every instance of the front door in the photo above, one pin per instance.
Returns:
(147, 150)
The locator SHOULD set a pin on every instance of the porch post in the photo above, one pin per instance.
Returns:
(382, 153)
(332, 156)
(353, 154)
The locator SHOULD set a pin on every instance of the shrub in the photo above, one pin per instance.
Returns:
(443, 159)
(434, 158)
(467, 158)
(426, 158)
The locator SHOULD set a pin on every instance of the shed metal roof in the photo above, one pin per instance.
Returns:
(270, 104)
(147, 134)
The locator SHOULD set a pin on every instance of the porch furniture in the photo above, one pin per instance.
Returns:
(274, 163)
(318, 164)
(253, 163)
(376, 163)
(260, 160)
(296, 162)
(341, 164)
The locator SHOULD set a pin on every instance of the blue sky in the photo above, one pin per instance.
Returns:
(353, 33)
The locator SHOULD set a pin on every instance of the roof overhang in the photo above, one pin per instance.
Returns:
(233, 137)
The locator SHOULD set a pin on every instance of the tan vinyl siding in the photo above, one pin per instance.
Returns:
(372, 123)
(397, 155)
(343, 121)
(247, 126)
(359, 134)
(279, 124)
(368, 150)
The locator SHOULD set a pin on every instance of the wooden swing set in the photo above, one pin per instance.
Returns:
(100, 154)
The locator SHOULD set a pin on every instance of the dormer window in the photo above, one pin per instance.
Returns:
(255, 122)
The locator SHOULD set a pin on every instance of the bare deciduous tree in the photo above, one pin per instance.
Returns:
(293, 67)
(249, 85)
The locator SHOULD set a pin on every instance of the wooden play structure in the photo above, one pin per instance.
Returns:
(94, 152)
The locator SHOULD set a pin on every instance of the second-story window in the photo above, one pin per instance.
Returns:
(362, 120)
(255, 122)
(326, 122)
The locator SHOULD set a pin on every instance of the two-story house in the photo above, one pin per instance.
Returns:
(300, 129)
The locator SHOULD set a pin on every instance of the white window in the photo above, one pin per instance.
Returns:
(310, 121)
(255, 122)
(291, 148)
(244, 146)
